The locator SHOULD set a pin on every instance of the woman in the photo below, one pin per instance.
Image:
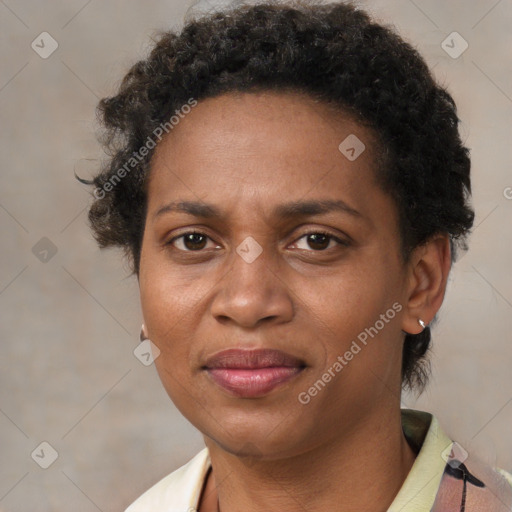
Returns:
(289, 183)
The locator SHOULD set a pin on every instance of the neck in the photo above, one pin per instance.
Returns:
(362, 471)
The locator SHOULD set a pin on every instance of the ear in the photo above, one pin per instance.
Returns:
(428, 271)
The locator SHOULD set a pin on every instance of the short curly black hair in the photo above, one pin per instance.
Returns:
(332, 52)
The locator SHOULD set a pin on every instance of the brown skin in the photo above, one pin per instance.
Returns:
(246, 154)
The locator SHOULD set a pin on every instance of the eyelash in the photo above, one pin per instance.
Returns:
(312, 232)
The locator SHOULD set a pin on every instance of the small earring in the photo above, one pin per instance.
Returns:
(142, 333)
(422, 323)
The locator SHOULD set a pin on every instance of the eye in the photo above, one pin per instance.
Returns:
(196, 241)
(192, 241)
(320, 240)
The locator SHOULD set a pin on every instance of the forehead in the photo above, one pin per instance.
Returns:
(253, 116)
(269, 144)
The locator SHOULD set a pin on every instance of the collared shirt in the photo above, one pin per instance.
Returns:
(443, 478)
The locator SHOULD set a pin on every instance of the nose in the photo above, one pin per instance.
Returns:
(253, 291)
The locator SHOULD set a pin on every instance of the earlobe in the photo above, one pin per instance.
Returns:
(428, 275)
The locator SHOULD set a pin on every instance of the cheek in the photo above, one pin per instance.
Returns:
(166, 313)
(173, 306)
(163, 306)
(163, 300)
(356, 317)
(352, 299)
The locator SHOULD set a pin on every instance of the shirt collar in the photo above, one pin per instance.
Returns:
(181, 489)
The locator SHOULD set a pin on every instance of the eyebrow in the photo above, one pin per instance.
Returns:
(282, 211)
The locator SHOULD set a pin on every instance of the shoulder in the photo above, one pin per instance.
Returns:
(444, 473)
(177, 491)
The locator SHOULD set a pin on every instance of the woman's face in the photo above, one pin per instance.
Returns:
(255, 276)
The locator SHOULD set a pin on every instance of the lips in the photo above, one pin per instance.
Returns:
(250, 359)
(252, 373)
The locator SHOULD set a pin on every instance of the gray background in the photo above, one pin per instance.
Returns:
(70, 324)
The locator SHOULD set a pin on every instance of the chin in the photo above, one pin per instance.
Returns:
(258, 441)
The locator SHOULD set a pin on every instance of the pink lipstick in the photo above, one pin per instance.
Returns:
(252, 373)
